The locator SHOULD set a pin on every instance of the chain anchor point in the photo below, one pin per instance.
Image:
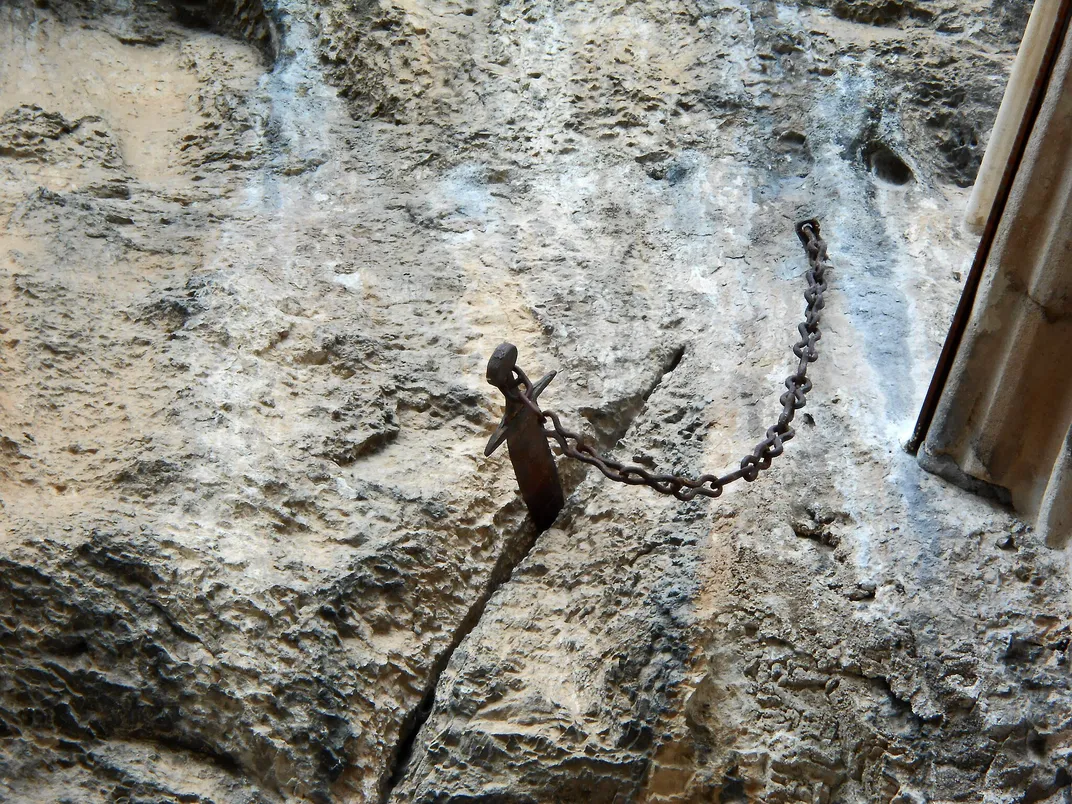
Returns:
(522, 430)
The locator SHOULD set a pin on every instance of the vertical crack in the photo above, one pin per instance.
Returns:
(672, 363)
(610, 423)
(514, 552)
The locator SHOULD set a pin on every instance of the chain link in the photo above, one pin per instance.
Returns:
(797, 386)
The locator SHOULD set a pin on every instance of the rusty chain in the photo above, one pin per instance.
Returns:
(797, 386)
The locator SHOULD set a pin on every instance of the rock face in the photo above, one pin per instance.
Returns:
(255, 260)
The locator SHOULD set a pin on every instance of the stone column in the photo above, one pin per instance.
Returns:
(1002, 427)
(1017, 92)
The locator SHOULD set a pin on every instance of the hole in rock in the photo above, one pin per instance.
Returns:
(792, 155)
(240, 19)
(888, 166)
(145, 22)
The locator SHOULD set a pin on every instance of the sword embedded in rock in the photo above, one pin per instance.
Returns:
(522, 430)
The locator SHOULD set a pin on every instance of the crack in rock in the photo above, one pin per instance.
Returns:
(514, 552)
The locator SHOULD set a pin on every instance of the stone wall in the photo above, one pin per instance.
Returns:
(251, 550)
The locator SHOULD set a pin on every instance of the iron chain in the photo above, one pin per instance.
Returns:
(797, 386)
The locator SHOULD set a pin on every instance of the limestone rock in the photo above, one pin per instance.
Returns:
(255, 260)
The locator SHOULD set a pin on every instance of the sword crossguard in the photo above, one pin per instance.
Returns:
(522, 430)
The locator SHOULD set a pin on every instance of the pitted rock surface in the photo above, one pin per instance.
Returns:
(255, 260)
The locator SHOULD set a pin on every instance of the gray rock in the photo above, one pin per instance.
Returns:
(256, 261)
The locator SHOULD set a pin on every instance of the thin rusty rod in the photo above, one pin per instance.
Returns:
(1001, 198)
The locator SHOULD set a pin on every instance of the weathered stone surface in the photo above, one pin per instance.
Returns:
(250, 548)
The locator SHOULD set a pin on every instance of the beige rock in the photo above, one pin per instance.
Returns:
(250, 548)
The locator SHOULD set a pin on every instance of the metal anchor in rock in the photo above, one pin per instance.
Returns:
(522, 425)
(522, 430)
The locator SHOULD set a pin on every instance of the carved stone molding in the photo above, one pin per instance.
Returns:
(1004, 425)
